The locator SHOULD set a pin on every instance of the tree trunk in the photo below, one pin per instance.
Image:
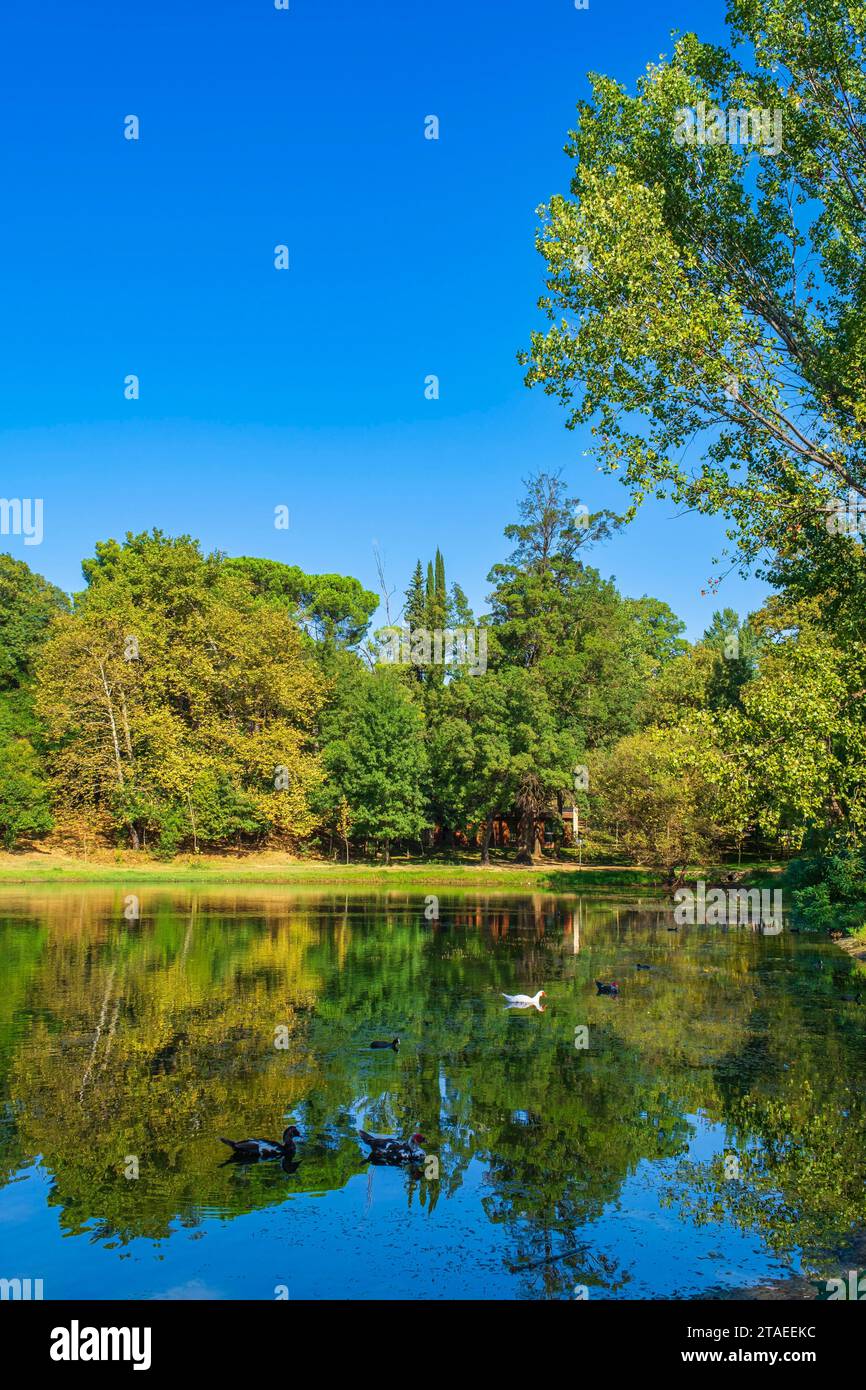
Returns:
(530, 840)
(485, 841)
(192, 821)
(126, 734)
(112, 721)
(676, 878)
(526, 839)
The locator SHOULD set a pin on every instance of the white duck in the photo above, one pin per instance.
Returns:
(526, 1001)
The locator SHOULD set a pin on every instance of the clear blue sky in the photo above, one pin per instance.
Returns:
(408, 257)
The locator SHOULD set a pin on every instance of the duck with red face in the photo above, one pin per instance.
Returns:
(393, 1151)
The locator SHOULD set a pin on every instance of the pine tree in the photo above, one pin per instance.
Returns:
(414, 608)
(429, 605)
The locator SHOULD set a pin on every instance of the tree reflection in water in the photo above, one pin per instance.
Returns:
(222, 1012)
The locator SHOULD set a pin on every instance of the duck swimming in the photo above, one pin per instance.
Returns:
(602, 988)
(393, 1151)
(526, 1001)
(394, 1043)
(252, 1149)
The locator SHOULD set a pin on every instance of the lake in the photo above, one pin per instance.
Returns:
(710, 1135)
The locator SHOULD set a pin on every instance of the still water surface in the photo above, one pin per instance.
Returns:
(129, 1046)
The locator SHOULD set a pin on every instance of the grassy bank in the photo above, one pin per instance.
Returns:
(271, 868)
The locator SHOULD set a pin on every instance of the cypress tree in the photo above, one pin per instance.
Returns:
(440, 598)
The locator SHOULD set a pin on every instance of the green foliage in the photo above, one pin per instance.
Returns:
(182, 701)
(829, 891)
(659, 631)
(495, 745)
(706, 307)
(27, 606)
(24, 801)
(375, 759)
(668, 795)
(735, 647)
(708, 298)
(555, 615)
(190, 702)
(415, 606)
(335, 608)
(800, 722)
(430, 606)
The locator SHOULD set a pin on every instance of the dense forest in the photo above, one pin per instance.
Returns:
(186, 702)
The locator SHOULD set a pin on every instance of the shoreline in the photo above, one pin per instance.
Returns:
(274, 869)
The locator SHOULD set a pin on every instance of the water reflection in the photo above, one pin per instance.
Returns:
(129, 1044)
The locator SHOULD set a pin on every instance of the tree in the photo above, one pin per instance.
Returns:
(182, 701)
(429, 607)
(666, 791)
(735, 646)
(459, 610)
(552, 613)
(659, 631)
(375, 759)
(440, 593)
(680, 688)
(25, 807)
(415, 606)
(28, 605)
(496, 749)
(800, 721)
(344, 823)
(334, 608)
(707, 295)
